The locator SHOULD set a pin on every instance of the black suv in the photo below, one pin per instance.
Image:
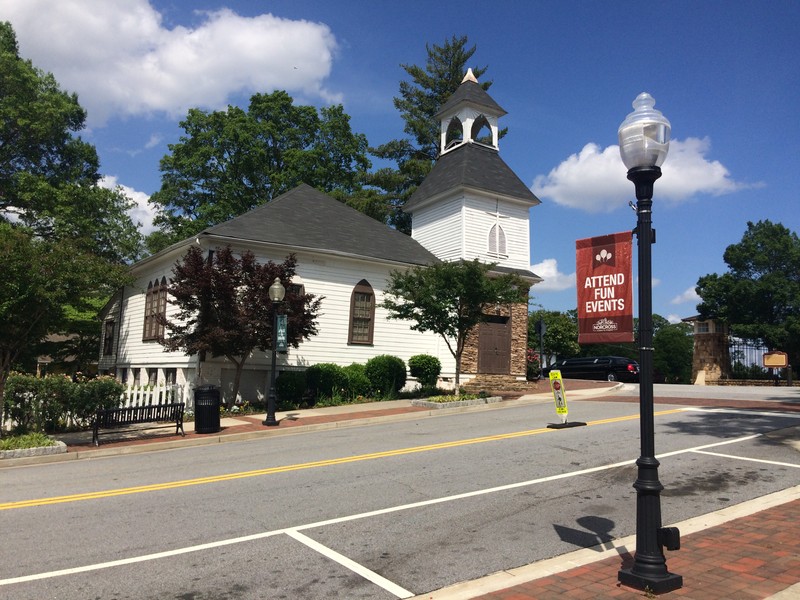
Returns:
(611, 368)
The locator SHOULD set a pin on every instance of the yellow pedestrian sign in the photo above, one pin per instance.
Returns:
(559, 394)
(560, 398)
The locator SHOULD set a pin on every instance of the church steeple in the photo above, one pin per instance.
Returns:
(469, 116)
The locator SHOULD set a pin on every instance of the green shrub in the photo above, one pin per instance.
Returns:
(92, 395)
(357, 381)
(425, 368)
(325, 380)
(37, 404)
(290, 387)
(386, 374)
(41, 404)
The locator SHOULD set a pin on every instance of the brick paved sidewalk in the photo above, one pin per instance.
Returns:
(749, 558)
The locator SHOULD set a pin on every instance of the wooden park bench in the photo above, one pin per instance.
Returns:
(114, 418)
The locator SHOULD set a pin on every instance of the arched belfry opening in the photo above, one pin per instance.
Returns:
(455, 133)
(482, 131)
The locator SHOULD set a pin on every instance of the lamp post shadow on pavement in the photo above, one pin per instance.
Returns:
(644, 143)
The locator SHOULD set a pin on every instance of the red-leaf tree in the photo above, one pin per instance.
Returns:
(224, 307)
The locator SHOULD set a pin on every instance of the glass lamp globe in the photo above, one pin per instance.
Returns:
(644, 135)
(277, 291)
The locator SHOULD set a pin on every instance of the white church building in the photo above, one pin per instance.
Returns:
(470, 206)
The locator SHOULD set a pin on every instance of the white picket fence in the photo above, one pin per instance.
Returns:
(145, 395)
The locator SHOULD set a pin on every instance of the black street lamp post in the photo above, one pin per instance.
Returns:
(644, 143)
(276, 294)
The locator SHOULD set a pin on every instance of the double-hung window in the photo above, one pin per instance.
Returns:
(155, 310)
(362, 313)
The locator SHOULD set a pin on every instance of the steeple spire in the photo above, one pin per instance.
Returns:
(470, 76)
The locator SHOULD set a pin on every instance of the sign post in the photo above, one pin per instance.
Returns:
(775, 360)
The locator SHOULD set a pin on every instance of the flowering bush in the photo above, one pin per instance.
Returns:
(42, 404)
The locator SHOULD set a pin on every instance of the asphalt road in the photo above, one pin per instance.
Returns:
(380, 511)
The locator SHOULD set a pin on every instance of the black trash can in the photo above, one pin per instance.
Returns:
(206, 409)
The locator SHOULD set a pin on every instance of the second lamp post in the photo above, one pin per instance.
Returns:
(276, 294)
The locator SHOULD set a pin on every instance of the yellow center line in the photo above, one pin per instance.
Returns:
(298, 467)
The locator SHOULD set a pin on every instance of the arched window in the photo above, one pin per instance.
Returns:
(497, 241)
(155, 308)
(362, 313)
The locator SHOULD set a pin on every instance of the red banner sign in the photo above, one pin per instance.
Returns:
(605, 294)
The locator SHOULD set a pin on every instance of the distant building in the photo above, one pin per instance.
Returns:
(711, 359)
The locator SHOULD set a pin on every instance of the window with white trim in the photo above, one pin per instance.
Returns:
(362, 314)
(155, 309)
(497, 241)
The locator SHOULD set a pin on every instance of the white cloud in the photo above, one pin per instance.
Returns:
(122, 60)
(689, 295)
(142, 213)
(672, 318)
(594, 180)
(554, 281)
(155, 140)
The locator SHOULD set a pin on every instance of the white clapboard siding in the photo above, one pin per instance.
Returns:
(330, 276)
(440, 228)
(480, 217)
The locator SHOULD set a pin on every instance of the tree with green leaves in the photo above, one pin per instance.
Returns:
(228, 162)
(49, 175)
(420, 99)
(449, 298)
(673, 346)
(64, 238)
(224, 308)
(759, 296)
(560, 336)
(39, 281)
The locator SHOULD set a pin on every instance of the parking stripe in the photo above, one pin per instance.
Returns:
(357, 568)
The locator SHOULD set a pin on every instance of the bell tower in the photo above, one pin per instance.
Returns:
(469, 116)
(473, 206)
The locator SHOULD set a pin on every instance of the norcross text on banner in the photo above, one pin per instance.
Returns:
(605, 293)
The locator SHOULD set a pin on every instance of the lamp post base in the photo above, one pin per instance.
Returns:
(657, 585)
(272, 401)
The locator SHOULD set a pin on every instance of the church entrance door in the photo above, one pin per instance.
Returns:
(494, 346)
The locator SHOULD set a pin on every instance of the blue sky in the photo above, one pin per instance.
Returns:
(723, 72)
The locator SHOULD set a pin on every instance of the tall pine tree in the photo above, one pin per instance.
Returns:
(420, 98)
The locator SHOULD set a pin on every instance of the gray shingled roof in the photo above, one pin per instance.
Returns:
(472, 93)
(473, 166)
(307, 218)
(524, 273)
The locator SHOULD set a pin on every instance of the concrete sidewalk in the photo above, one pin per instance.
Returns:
(748, 551)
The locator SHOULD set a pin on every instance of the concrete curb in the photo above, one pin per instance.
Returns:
(457, 403)
(57, 448)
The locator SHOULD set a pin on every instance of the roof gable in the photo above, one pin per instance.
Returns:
(473, 166)
(305, 218)
(471, 92)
